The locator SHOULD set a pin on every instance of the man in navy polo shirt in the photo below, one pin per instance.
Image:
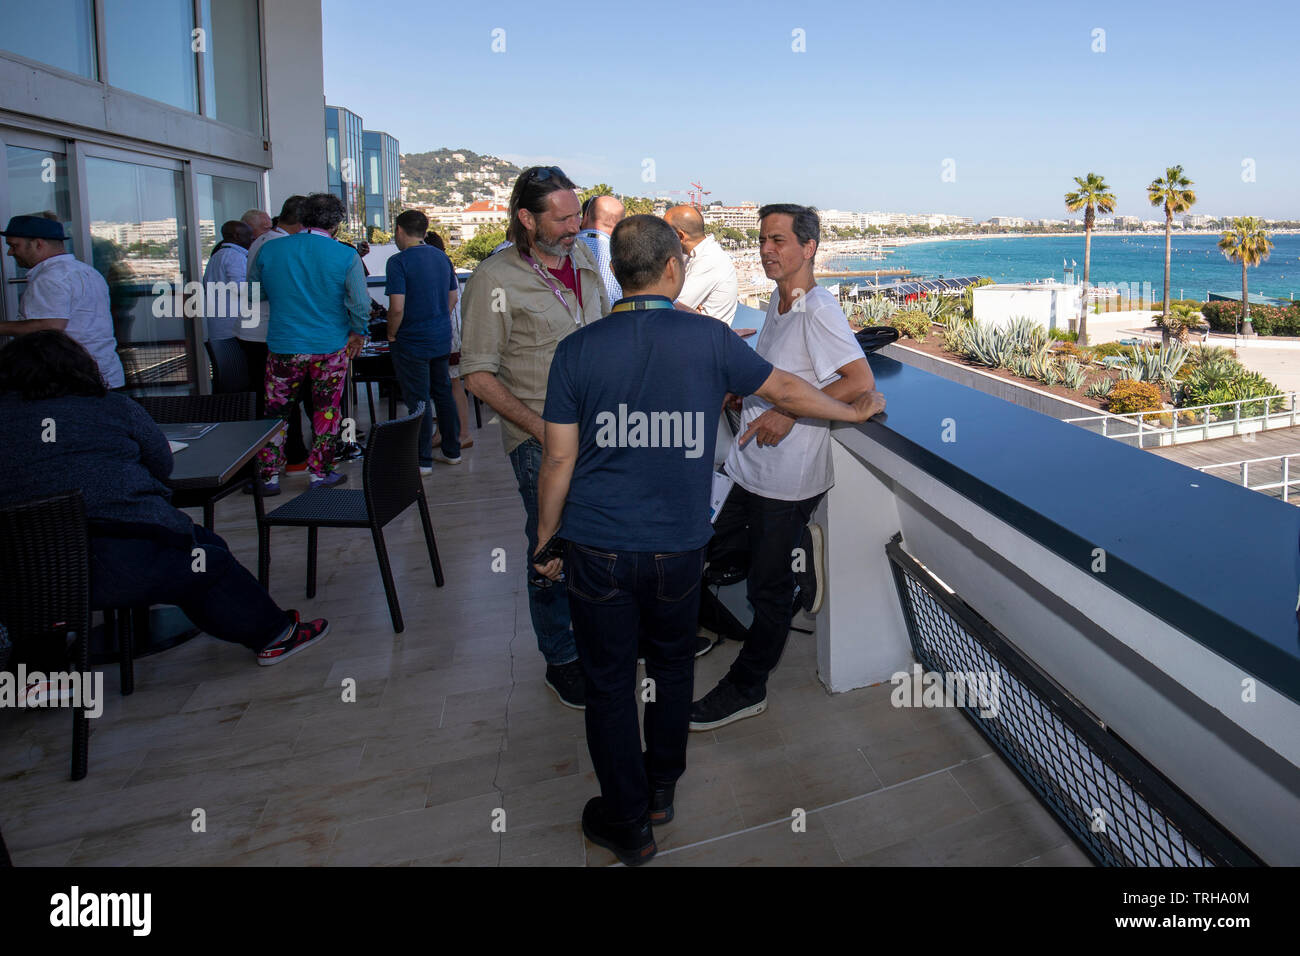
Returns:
(631, 410)
(422, 291)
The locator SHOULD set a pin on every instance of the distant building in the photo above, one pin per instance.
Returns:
(742, 217)
(344, 162)
(383, 173)
(482, 215)
(1127, 222)
(1008, 222)
(1054, 305)
(1199, 221)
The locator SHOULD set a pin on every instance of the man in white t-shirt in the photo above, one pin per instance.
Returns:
(711, 286)
(781, 475)
(62, 293)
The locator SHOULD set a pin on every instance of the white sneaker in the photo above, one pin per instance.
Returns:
(442, 459)
(426, 469)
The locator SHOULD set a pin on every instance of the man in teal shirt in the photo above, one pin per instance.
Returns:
(319, 317)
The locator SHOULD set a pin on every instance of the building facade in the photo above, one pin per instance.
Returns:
(142, 127)
(383, 178)
(345, 164)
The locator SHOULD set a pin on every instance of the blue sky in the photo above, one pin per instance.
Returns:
(1012, 93)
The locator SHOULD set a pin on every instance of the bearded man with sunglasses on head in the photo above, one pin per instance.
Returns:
(519, 304)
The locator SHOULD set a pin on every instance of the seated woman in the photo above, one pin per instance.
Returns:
(63, 430)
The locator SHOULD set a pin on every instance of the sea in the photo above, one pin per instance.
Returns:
(1197, 267)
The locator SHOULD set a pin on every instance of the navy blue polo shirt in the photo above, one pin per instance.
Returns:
(645, 387)
(424, 275)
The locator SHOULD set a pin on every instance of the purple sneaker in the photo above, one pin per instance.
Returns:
(330, 480)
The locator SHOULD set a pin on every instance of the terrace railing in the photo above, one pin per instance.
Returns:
(1221, 420)
(1289, 476)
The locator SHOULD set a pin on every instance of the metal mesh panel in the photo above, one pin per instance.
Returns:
(1117, 806)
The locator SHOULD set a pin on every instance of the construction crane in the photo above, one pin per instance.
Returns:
(697, 194)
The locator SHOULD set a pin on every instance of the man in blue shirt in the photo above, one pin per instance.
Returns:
(600, 214)
(422, 291)
(631, 409)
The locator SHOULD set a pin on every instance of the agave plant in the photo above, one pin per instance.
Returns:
(878, 310)
(983, 345)
(1039, 363)
(936, 307)
(1026, 335)
(1100, 388)
(1052, 375)
(1072, 374)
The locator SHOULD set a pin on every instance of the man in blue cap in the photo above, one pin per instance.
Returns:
(62, 293)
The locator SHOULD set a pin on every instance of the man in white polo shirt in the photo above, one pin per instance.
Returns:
(711, 286)
(781, 475)
(62, 293)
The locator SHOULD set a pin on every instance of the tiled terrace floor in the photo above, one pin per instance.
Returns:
(452, 721)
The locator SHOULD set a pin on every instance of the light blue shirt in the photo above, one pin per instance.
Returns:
(598, 243)
(226, 271)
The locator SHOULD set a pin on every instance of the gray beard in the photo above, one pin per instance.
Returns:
(556, 250)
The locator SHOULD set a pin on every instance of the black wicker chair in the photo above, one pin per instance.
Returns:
(185, 409)
(230, 368)
(390, 484)
(45, 586)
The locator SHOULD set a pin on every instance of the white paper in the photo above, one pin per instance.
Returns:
(721, 488)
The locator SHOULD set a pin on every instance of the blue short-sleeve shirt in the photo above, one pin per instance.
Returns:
(424, 275)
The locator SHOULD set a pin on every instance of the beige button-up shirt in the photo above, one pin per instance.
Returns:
(511, 323)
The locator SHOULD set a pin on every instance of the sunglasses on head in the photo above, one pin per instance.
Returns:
(543, 173)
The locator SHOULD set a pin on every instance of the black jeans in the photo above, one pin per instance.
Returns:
(223, 598)
(773, 528)
(614, 598)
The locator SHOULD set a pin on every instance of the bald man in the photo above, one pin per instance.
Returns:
(711, 286)
(600, 215)
(258, 221)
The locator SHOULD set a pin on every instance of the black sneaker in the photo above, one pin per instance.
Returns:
(721, 575)
(632, 843)
(661, 804)
(569, 684)
(723, 705)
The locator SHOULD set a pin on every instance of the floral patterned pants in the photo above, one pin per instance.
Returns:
(325, 375)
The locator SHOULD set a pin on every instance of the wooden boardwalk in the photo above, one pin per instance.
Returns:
(1268, 444)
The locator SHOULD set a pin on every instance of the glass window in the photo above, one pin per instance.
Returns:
(220, 200)
(139, 236)
(232, 65)
(150, 49)
(38, 186)
(58, 32)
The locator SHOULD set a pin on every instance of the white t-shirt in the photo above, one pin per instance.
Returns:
(711, 281)
(64, 287)
(257, 332)
(812, 341)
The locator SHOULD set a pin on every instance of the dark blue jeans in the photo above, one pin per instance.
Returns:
(428, 380)
(223, 599)
(548, 605)
(617, 598)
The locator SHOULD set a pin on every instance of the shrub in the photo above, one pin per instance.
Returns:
(1132, 396)
(1066, 348)
(1107, 349)
(1064, 336)
(1265, 319)
(1100, 388)
(911, 323)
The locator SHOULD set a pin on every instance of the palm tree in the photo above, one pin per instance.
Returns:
(1092, 194)
(1175, 194)
(1246, 242)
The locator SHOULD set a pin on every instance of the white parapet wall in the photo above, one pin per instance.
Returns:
(1174, 701)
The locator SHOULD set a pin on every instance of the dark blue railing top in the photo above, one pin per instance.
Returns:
(1215, 560)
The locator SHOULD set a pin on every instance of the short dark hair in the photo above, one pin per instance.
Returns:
(322, 211)
(291, 211)
(413, 222)
(807, 224)
(434, 239)
(532, 189)
(49, 364)
(639, 248)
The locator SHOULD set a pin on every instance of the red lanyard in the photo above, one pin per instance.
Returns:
(545, 276)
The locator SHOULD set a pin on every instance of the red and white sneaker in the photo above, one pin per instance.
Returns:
(302, 635)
